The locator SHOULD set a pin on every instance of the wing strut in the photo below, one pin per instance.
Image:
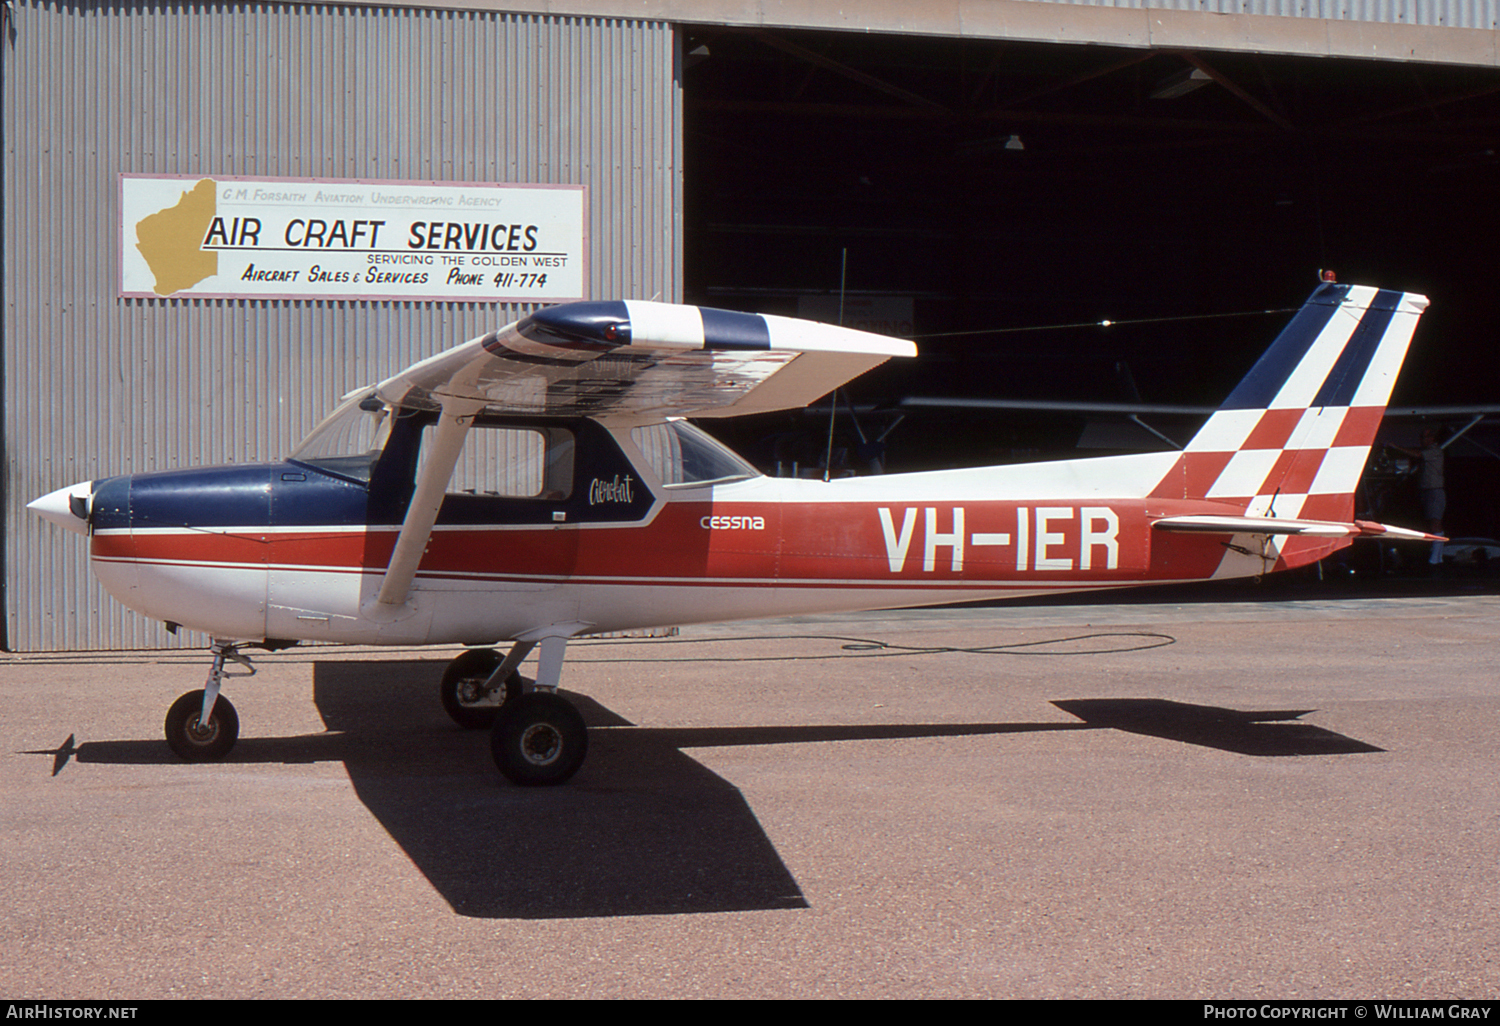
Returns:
(432, 483)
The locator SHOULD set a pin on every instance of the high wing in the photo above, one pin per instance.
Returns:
(624, 357)
(645, 358)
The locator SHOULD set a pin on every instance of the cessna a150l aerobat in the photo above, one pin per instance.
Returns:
(543, 482)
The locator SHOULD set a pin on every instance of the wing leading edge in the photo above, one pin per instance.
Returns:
(644, 358)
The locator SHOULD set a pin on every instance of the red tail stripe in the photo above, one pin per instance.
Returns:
(1273, 430)
(1192, 476)
(1360, 425)
(1294, 471)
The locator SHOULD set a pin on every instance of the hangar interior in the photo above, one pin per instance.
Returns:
(1007, 188)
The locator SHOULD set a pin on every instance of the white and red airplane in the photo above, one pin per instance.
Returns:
(543, 482)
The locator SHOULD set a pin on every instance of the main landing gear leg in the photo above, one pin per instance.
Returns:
(539, 738)
(202, 726)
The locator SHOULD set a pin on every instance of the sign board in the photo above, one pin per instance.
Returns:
(223, 237)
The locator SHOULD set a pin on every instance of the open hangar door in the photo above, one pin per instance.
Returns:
(991, 193)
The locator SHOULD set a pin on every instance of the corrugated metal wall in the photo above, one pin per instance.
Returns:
(96, 385)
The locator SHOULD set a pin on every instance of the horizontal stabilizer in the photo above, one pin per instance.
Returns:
(1215, 524)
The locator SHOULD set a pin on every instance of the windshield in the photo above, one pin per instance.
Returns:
(349, 440)
(682, 455)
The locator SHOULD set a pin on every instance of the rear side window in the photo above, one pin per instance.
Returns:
(682, 454)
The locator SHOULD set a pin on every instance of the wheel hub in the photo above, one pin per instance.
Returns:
(202, 733)
(541, 744)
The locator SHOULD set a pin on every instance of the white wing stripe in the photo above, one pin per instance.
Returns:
(664, 325)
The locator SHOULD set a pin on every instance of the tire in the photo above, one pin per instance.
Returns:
(539, 739)
(461, 681)
(211, 743)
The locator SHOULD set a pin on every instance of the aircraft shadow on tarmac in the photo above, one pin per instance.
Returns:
(1266, 733)
(643, 829)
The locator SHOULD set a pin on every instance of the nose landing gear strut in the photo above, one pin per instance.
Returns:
(202, 726)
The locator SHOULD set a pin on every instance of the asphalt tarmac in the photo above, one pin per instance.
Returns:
(1276, 799)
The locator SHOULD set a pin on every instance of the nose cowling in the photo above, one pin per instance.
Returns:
(68, 507)
(184, 546)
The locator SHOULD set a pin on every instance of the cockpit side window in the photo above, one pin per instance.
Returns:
(510, 462)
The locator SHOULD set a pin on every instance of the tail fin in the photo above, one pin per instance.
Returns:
(1292, 439)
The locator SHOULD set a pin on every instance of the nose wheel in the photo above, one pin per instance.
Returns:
(201, 726)
(195, 741)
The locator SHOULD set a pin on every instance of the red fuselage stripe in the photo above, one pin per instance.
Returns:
(960, 544)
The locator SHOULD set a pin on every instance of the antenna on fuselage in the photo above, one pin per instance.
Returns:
(833, 407)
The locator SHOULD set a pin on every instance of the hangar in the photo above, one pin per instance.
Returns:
(966, 171)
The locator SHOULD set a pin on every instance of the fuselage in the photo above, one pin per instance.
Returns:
(296, 550)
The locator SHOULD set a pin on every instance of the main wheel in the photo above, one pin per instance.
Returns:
(206, 743)
(539, 739)
(461, 684)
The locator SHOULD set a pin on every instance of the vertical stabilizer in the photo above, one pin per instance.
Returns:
(1292, 439)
